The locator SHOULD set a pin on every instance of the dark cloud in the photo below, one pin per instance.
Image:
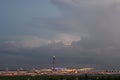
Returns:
(95, 22)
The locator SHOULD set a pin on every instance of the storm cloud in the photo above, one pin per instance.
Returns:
(86, 32)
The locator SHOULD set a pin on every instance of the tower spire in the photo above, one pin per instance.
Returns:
(53, 63)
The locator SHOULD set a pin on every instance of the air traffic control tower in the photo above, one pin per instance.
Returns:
(53, 63)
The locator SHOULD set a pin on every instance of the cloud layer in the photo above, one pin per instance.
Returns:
(87, 32)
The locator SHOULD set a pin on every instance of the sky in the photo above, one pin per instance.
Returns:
(80, 33)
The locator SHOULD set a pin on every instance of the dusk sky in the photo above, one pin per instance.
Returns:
(77, 32)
